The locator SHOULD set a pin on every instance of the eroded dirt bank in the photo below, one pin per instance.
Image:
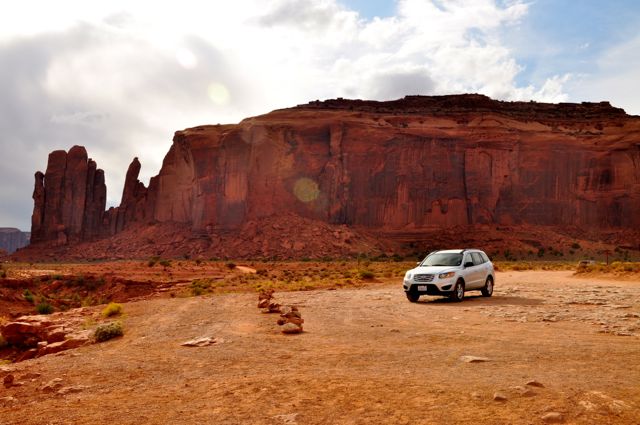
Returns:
(367, 356)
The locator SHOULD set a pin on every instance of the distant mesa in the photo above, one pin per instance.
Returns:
(342, 177)
(12, 239)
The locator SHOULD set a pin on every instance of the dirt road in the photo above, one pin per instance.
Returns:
(367, 356)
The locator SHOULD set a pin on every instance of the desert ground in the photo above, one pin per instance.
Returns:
(549, 346)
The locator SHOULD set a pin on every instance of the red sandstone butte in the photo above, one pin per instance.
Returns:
(344, 176)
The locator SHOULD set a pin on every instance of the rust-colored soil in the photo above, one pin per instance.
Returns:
(367, 356)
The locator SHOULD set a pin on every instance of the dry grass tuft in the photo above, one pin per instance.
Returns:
(113, 309)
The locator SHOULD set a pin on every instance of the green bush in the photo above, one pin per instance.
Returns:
(200, 287)
(28, 296)
(112, 309)
(107, 331)
(44, 308)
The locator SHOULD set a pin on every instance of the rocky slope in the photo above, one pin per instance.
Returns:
(381, 174)
(12, 239)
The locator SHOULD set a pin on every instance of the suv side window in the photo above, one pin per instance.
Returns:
(484, 257)
(477, 259)
(468, 258)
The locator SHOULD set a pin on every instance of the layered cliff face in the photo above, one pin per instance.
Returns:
(400, 168)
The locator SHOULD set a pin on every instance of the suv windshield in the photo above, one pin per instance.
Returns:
(442, 259)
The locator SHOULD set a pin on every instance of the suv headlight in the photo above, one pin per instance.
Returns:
(446, 275)
(407, 276)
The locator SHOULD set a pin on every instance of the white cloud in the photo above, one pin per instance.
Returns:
(614, 78)
(119, 77)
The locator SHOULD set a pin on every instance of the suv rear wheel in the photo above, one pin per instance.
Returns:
(458, 291)
(487, 291)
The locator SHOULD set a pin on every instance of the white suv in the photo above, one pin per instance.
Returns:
(450, 273)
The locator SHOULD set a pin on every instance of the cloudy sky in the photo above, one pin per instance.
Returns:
(119, 77)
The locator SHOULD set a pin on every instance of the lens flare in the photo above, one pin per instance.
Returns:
(306, 190)
(219, 94)
(186, 59)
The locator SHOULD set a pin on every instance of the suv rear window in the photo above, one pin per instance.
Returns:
(477, 258)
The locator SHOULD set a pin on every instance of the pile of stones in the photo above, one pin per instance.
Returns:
(290, 318)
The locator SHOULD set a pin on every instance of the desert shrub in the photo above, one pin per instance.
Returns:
(112, 309)
(165, 263)
(3, 274)
(519, 267)
(540, 252)
(89, 283)
(367, 274)
(44, 308)
(200, 287)
(198, 262)
(509, 256)
(28, 296)
(3, 342)
(262, 272)
(151, 263)
(108, 331)
(230, 265)
(575, 245)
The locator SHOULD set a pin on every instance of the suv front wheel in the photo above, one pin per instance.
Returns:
(458, 291)
(412, 296)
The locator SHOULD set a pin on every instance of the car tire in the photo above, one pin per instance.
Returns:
(487, 291)
(458, 291)
(412, 296)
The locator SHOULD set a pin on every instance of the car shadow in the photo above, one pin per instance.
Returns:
(479, 300)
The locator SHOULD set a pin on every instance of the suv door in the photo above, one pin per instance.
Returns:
(483, 267)
(470, 273)
(478, 270)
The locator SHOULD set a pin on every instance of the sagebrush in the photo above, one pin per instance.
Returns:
(107, 331)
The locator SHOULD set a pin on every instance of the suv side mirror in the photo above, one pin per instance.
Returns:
(418, 263)
(468, 264)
